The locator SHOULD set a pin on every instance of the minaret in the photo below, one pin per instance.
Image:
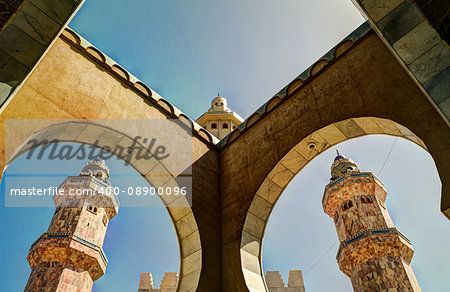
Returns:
(219, 120)
(69, 256)
(373, 253)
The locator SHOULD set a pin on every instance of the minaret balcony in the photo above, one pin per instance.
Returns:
(370, 244)
(69, 248)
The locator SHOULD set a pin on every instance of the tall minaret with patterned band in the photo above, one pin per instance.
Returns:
(373, 253)
(69, 256)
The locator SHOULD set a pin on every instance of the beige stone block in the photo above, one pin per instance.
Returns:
(190, 244)
(143, 165)
(53, 132)
(173, 200)
(260, 207)
(90, 134)
(254, 225)
(281, 175)
(293, 161)
(250, 262)
(254, 281)
(269, 190)
(332, 134)
(250, 243)
(110, 138)
(407, 134)
(416, 42)
(186, 225)
(189, 281)
(377, 9)
(158, 176)
(72, 131)
(349, 128)
(191, 262)
(388, 127)
(178, 212)
(311, 146)
(368, 125)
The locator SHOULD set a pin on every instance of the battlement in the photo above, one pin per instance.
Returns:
(168, 283)
(275, 282)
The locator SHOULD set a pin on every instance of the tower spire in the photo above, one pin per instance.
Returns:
(372, 253)
(70, 253)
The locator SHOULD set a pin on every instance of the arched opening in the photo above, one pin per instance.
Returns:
(153, 172)
(281, 175)
(308, 236)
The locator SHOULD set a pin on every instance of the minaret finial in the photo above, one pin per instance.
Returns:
(218, 93)
(337, 152)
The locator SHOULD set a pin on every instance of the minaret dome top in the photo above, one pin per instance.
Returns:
(97, 168)
(219, 104)
(342, 165)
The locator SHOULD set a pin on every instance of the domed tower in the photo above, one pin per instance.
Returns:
(69, 256)
(219, 120)
(373, 253)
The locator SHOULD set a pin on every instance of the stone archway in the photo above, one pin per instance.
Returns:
(285, 170)
(154, 171)
(358, 78)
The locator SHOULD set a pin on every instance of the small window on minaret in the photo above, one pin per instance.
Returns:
(105, 220)
(92, 209)
(366, 200)
(224, 126)
(213, 126)
(347, 205)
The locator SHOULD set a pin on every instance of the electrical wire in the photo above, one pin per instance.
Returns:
(321, 257)
(387, 157)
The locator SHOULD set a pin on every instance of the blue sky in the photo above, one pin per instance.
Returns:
(247, 50)
(138, 239)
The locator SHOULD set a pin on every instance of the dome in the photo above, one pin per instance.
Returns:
(97, 168)
(338, 157)
(341, 166)
(219, 103)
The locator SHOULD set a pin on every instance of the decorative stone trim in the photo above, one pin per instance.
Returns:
(76, 238)
(299, 82)
(86, 48)
(368, 232)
